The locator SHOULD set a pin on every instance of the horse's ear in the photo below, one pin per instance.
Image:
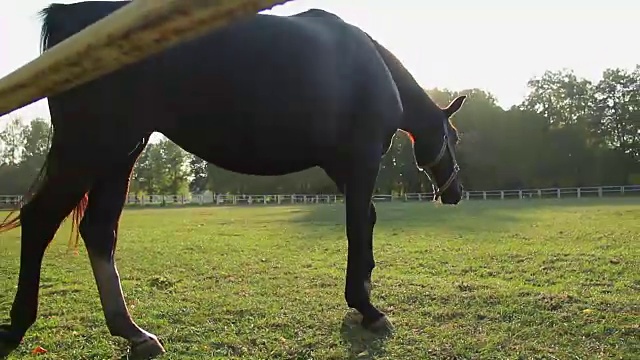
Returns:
(454, 106)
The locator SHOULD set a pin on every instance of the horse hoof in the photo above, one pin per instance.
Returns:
(381, 326)
(8, 341)
(147, 349)
(6, 349)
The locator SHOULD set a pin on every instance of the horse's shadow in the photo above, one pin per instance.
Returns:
(363, 344)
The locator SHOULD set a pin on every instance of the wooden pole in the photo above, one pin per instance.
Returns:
(133, 32)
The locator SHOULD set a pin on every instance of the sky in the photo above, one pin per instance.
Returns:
(493, 45)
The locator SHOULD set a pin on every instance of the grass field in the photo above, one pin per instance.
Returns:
(542, 279)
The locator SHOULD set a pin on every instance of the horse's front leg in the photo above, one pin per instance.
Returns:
(373, 218)
(360, 261)
(339, 178)
(99, 229)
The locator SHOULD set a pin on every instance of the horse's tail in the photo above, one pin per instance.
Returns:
(12, 220)
(59, 21)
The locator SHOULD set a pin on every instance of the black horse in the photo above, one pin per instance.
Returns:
(267, 95)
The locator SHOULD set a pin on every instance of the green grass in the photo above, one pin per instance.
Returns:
(540, 279)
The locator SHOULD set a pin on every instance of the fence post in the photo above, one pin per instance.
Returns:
(520, 194)
(466, 193)
(599, 192)
(579, 193)
(484, 195)
(558, 193)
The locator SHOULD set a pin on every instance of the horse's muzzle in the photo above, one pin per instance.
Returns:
(453, 194)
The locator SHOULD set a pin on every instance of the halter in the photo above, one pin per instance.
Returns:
(438, 191)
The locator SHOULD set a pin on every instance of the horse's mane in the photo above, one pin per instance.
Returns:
(47, 21)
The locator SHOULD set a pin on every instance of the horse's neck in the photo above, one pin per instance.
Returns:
(418, 107)
(416, 103)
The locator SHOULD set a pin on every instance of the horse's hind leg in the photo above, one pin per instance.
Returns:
(60, 193)
(99, 229)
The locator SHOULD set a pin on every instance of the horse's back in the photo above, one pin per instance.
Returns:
(280, 88)
(265, 60)
(304, 75)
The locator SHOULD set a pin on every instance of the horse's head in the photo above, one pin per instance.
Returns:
(434, 140)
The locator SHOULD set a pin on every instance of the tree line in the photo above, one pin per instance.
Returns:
(567, 132)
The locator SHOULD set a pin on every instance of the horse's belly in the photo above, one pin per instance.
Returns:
(265, 168)
(252, 155)
(269, 163)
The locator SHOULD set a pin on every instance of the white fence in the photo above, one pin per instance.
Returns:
(8, 201)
